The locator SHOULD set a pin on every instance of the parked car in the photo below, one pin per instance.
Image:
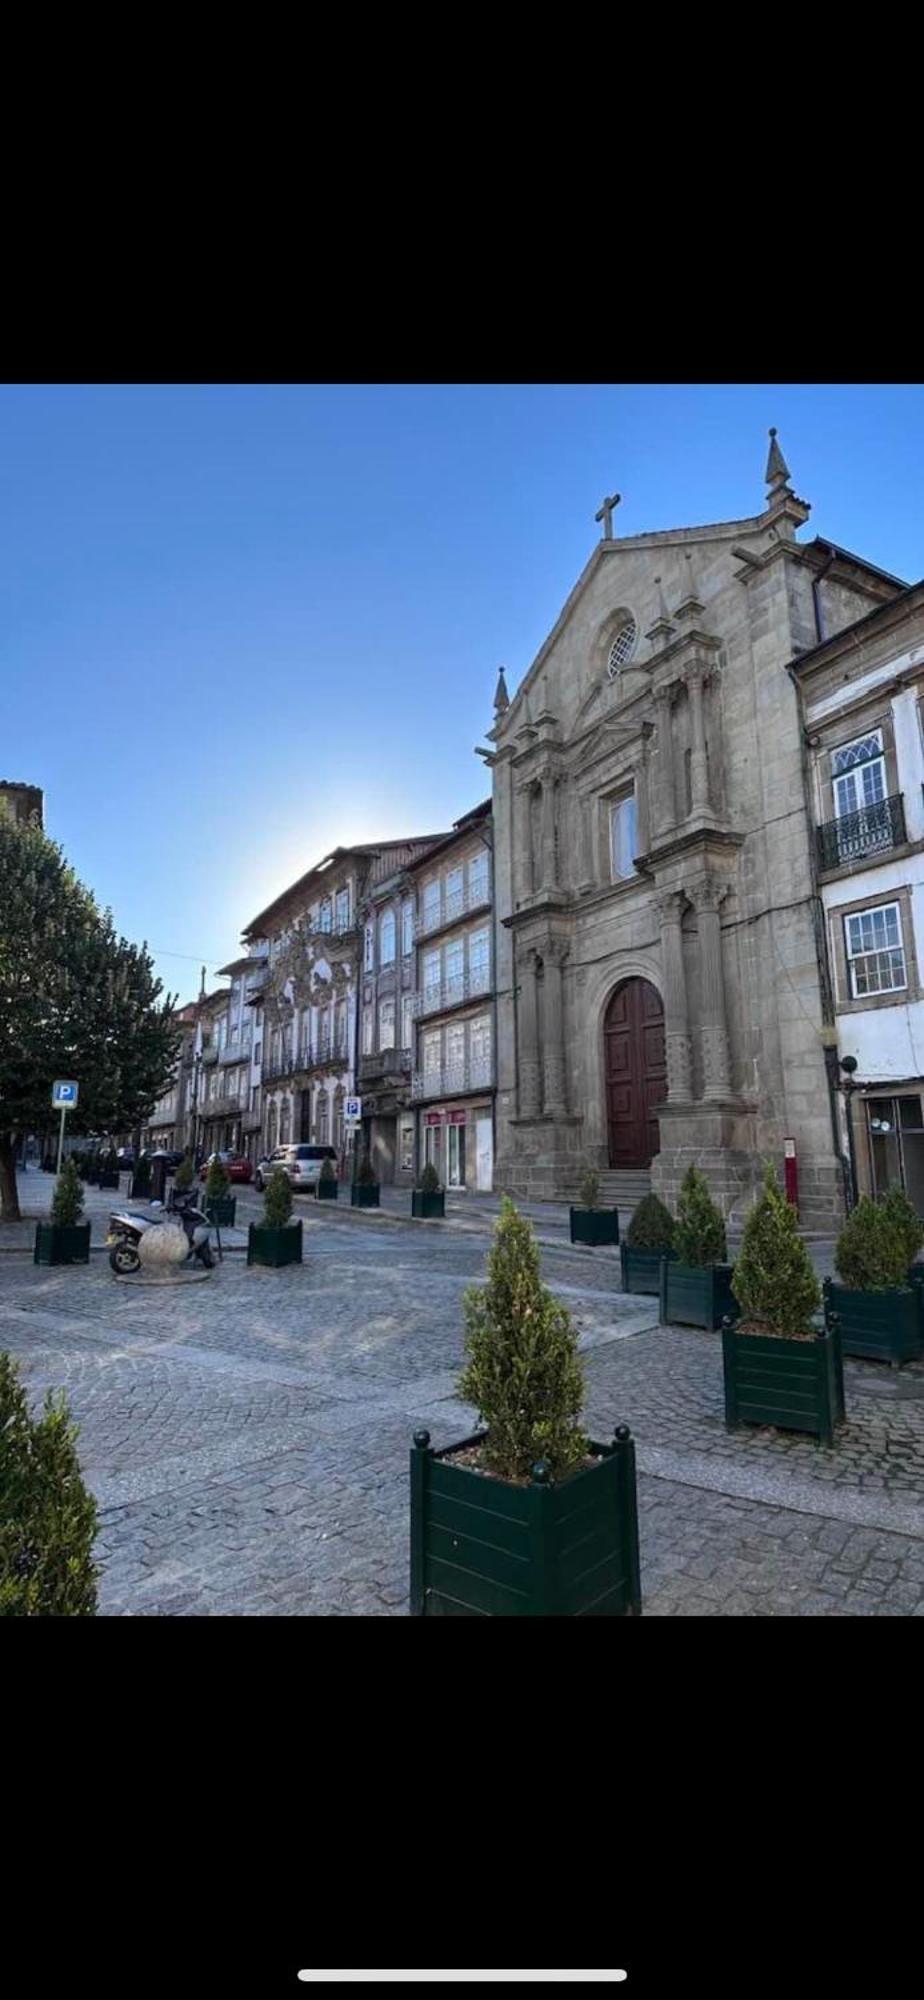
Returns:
(236, 1166)
(301, 1163)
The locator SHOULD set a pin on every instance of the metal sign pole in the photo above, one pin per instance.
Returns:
(61, 1136)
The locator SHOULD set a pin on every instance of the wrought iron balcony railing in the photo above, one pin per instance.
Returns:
(234, 1052)
(853, 837)
(210, 1055)
(330, 1048)
(224, 1106)
(279, 1065)
(454, 1079)
(387, 1062)
(451, 992)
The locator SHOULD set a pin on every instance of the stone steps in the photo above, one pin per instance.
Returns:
(620, 1187)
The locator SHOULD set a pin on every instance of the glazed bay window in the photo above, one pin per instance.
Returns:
(622, 838)
(479, 1049)
(431, 979)
(387, 938)
(455, 1056)
(387, 1024)
(455, 894)
(477, 880)
(431, 903)
(479, 961)
(407, 929)
(867, 820)
(407, 1022)
(367, 1031)
(875, 951)
(454, 971)
(369, 949)
(343, 910)
(432, 1056)
(325, 915)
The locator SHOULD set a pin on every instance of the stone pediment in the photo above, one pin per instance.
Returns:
(597, 744)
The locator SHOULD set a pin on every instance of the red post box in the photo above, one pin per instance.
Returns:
(791, 1173)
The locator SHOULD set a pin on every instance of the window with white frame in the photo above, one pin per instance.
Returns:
(479, 1042)
(431, 977)
(387, 938)
(875, 951)
(455, 1053)
(858, 771)
(407, 1022)
(387, 1024)
(454, 969)
(431, 902)
(325, 915)
(454, 893)
(343, 909)
(369, 953)
(367, 1031)
(622, 837)
(479, 960)
(406, 1144)
(432, 1052)
(478, 879)
(407, 928)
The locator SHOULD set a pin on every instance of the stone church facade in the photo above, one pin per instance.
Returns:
(661, 991)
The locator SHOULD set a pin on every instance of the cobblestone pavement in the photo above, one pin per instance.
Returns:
(247, 1436)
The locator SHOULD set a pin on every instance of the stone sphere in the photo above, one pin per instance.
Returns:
(161, 1247)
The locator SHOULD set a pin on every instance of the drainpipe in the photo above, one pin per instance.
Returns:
(821, 941)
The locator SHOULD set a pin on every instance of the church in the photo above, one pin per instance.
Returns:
(661, 990)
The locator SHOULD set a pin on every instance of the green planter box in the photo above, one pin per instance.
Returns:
(431, 1206)
(481, 1547)
(327, 1190)
(798, 1385)
(641, 1269)
(594, 1225)
(222, 1211)
(56, 1245)
(274, 1247)
(693, 1296)
(881, 1326)
(107, 1177)
(364, 1195)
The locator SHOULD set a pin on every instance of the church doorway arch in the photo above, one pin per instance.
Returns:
(635, 1072)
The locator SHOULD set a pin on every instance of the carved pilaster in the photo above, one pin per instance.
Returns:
(527, 1034)
(523, 860)
(553, 1025)
(671, 905)
(549, 858)
(699, 769)
(664, 802)
(707, 896)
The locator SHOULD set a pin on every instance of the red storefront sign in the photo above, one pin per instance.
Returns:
(434, 1117)
(456, 1117)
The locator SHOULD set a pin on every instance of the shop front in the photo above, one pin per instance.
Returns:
(458, 1141)
(895, 1126)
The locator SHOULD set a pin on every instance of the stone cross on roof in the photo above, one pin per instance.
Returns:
(605, 514)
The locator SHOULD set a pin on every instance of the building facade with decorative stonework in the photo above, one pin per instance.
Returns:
(453, 1083)
(660, 955)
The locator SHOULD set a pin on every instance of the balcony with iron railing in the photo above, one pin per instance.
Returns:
(454, 1079)
(210, 1055)
(274, 1066)
(452, 991)
(235, 1052)
(458, 903)
(874, 829)
(328, 1049)
(226, 1105)
(385, 1063)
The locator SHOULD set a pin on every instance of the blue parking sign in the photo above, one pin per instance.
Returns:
(64, 1094)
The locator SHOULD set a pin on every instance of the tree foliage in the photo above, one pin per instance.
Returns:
(429, 1181)
(773, 1280)
(75, 1000)
(277, 1202)
(68, 1198)
(895, 1204)
(699, 1234)
(871, 1254)
(217, 1181)
(590, 1186)
(651, 1226)
(522, 1370)
(185, 1173)
(48, 1520)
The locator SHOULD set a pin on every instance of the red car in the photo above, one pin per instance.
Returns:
(236, 1166)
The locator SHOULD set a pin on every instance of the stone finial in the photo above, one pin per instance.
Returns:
(501, 697)
(662, 630)
(690, 606)
(777, 474)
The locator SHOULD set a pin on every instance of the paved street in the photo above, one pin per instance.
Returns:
(247, 1435)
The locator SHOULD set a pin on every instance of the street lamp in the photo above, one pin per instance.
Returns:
(197, 1064)
(849, 1065)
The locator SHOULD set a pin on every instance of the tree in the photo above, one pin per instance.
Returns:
(773, 1280)
(522, 1368)
(699, 1232)
(48, 1520)
(75, 1000)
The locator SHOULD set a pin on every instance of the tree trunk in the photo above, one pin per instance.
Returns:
(9, 1193)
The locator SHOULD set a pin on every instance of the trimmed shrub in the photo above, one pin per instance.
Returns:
(185, 1173)
(68, 1198)
(48, 1520)
(277, 1201)
(217, 1182)
(651, 1226)
(522, 1369)
(429, 1181)
(773, 1280)
(699, 1235)
(871, 1253)
(364, 1173)
(895, 1204)
(590, 1187)
(328, 1171)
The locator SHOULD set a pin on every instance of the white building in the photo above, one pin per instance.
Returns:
(862, 695)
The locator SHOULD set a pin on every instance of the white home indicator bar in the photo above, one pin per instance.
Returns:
(585, 1978)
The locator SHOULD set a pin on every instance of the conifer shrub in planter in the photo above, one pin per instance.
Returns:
(185, 1174)
(48, 1520)
(878, 1310)
(780, 1369)
(277, 1240)
(220, 1206)
(907, 1220)
(528, 1518)
(590, 1224)
(327, 1182)
(696, 1282)
(428, 1198)
(65, 1239)
(649, 1239)
(364, 1191)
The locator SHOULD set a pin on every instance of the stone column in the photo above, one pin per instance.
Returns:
(549, 870)
(664, 803)
(587, 860)
(527, 1034)
(553, 1030)
(676, 1017)
(523, 864)
(699, 769)
(706, 896)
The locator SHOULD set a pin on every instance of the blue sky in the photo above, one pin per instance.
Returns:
(244, 623)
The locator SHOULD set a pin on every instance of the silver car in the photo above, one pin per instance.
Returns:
(302, 1164)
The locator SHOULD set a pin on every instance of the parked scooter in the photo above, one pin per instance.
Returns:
(127, 1228)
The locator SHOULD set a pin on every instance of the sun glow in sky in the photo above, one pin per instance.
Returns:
(246, 624)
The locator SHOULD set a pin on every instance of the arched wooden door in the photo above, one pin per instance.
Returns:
(635, 1067)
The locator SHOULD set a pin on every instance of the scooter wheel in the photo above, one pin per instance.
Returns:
(123, 1258)
(205, 1256)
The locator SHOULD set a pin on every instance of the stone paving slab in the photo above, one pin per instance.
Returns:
(248, 1438)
